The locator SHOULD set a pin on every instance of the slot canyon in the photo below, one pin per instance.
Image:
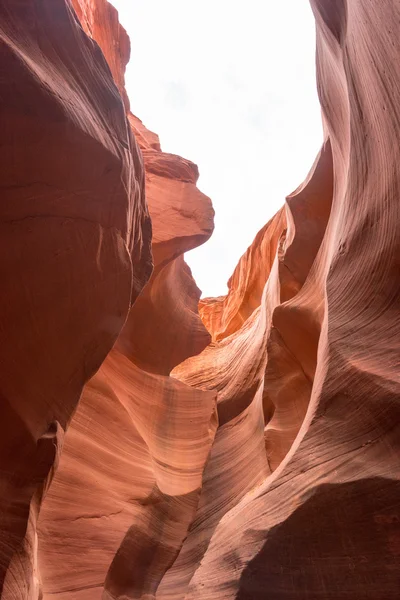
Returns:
(155, 445)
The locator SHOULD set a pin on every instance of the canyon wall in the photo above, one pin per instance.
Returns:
(75, 239)
(155, 446)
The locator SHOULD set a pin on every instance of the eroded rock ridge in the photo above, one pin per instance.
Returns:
(154, 446)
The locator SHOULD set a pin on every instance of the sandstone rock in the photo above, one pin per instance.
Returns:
(99, 19)
(326, 523)
(153, 433)
(75, 236)
(137, 431)
(252, 453)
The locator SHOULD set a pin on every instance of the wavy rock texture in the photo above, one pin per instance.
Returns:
(326, 523)
(260, 458)
(130, 475)
(75, 239)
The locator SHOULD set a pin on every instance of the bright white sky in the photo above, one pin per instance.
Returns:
(231, 86)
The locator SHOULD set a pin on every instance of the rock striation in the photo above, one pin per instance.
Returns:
(130, 475)
(325, 524)
(154, 446)
(75, 239)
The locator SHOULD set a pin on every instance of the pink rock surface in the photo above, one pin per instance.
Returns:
(325, 524)
(75, 239)
(253, 452)
(137, 431)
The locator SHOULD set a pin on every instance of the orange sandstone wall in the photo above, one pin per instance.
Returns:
(129, 479)
(325, 524)
(244, 447)
(75, 238)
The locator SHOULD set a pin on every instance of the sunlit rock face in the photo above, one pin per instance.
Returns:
(244, 447)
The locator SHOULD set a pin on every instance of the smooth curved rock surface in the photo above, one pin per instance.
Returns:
(75, 239)
(326, 523)
(253, 452)
(137, 431)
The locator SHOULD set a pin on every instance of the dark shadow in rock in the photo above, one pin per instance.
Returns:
(343, 543)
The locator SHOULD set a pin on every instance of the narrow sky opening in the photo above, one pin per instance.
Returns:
(230, 86)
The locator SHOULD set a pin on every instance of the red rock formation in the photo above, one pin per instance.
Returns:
(326, 523)
(263, 381)
(100, 21)
(153, 434)
(226, 314)
(137, 431)
(75, 237)
(296, 493)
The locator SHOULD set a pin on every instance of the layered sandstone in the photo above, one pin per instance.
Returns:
(249, 453)
(325, 524)
(130, 476)
(75, 238)
(129, 479)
